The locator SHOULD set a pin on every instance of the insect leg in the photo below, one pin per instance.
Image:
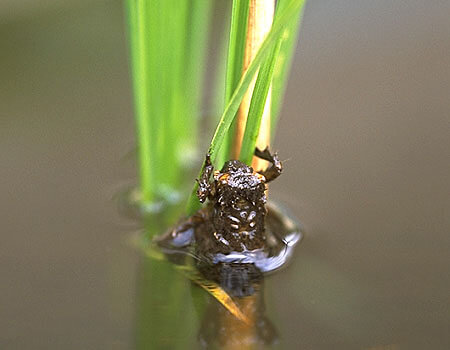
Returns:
(275, 168)
(204, 186)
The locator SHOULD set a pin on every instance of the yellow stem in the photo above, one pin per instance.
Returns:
(240, 335)
(260, 19)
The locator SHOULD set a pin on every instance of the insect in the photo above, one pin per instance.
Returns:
(237, 236)
(237, 201)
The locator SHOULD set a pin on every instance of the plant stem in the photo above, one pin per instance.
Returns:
(283, 17)
(167, 49)
(140, 50)
(260, 19)
(258, 105)
(235, 66)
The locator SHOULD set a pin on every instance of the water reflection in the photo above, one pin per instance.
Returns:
(174, 312)
(165, 317)
(231, 315)
(221, 329)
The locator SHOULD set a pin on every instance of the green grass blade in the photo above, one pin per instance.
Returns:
(283, 64)
(235, 62)
(139, 48)
(257, 104)
(236, 45)
(280, 22)
(167, 44)
(196, 37)
(173, 40)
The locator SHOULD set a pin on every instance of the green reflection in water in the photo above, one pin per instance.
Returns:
(175, 313)
(165, 317)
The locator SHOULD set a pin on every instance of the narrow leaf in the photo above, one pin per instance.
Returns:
(283, 64)
(257, 105)
(230, 111)
(235, 62)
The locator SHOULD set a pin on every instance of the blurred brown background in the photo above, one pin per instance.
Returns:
(366, 129)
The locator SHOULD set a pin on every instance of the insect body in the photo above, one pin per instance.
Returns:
(237, 202)
(236, 237)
